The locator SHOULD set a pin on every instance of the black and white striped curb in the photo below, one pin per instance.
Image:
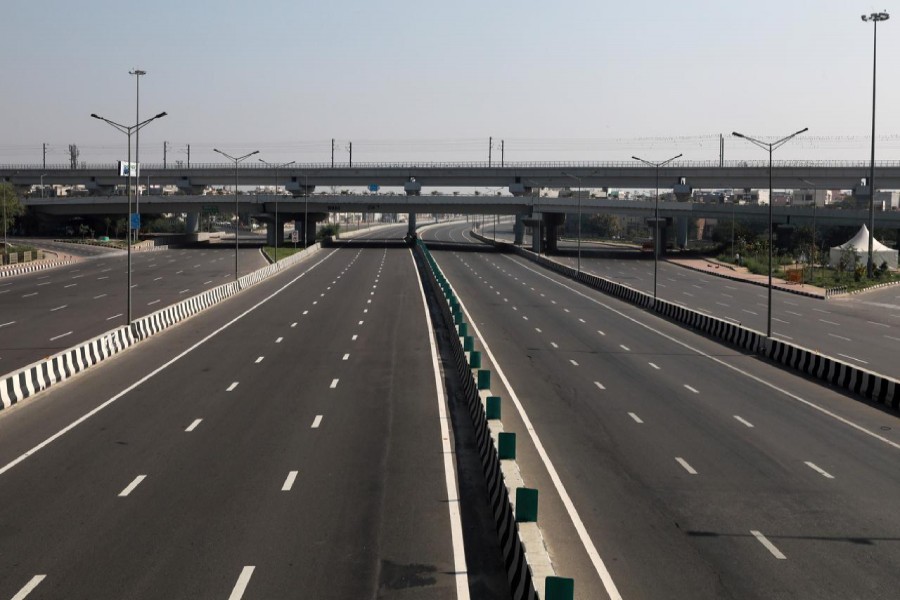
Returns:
(517, 569)
(860, 382)
(28, 381)
(842, 291)
(9, 271)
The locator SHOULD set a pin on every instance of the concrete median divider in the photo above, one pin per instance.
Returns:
(862, 383)
(529, 570)
(28, 381)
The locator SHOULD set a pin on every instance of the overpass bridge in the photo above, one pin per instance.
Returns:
(520, 177)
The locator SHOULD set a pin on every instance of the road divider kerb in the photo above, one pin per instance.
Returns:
(860, 382)
(514, 506)
(10, 270)
(37, 377)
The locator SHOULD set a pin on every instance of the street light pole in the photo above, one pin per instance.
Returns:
(812, 254)
(128, 130)
(137, 142)
(770, 147)
(657, 165)
(874, 18)
(305, 209)
(277, 232)
(237, 215)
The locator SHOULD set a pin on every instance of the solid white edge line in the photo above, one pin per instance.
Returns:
(460, 568)
(130, 488)
(193, 425)
(768, 545)
(289, 481)
(818, 470)
(720, 362)
(156, 371)
(605, 577)
(241, 585)
(686, 466)
(29, 587)
(740, 419)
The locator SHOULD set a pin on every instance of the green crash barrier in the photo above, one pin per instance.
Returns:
(463, 329)
(492, 408)
(559, 588)
(526, 505)
(468, 343)
(457, 318)
(474, 359)
(506, 445)
(484, 379)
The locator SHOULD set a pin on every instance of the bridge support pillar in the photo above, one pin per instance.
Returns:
(411, 230)
(681, 232)
(192, 222)
(552, 223)
(273, 227)
(518, 231)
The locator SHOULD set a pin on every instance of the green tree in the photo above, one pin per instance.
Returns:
(13, 207)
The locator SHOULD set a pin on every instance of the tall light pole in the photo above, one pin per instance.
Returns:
(657, 165)
(770, 147)
(815, 203)
(874, 18)
(237, 218)
(578, 179)
(305, 209)
(42, 184)
(137, 143)
(277, 232)
(128, 130)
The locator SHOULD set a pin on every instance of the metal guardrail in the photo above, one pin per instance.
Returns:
(732, 164)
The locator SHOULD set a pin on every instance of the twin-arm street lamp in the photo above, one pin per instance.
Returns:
(874, 18)
(128, 130)
(770, 147)
(656, 244)
(237, 218)
(278, 232)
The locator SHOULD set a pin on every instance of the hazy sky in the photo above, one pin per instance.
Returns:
(427, 81)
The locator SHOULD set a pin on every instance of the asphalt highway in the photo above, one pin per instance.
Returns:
(44, 312)
(288, 443)
(689, 469)
(863, 330)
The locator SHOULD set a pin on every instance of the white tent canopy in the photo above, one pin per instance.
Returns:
(860, 243)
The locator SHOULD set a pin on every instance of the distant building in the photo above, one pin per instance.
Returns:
(806, 197)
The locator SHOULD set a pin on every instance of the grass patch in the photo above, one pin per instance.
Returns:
(283, 251)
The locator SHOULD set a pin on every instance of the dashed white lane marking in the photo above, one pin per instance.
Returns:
(241, 585)
(5, 324)
(102, 278)
(819, 470)
(316, 422)
(749, 311)
(100, 296)
(114, 317)
(840, 337)
(822, 311)
(781, 320)
(53, 339)
(207, 282)
(829, 322)
(130, 488)
(859, 360)
(360, 323)
(294, 324)
(365, 310)
(278, 340)
(601, 332)
(184, 291)
(346, 356)
(686, 466)
(29, 587)
(30, 295)
(334, 383)
(193, 425)
(600, 385)
(554, 344)
(538, 329)
(636, 418)
(567, 310)
(289, 482)
(353, 339)
(260, 359)
(743, 420)
(691, 389)
(369, 301)
(768, 545)
(232, 386)
(582, 320)
(153, 302)
(723, 304)
(878, 324)
(624, 347)
(314, 303)
(305, 312)
(574, 364)
(58, 308)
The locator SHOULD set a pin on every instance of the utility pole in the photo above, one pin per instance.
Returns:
(721, 150)
(189, 155)
(502, 152)
(490, 148)
(165, 147)
(351, 154)
(45, 155)
(332, 153)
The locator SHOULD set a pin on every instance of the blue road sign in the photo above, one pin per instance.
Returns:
(135, 220)
(374, 187)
